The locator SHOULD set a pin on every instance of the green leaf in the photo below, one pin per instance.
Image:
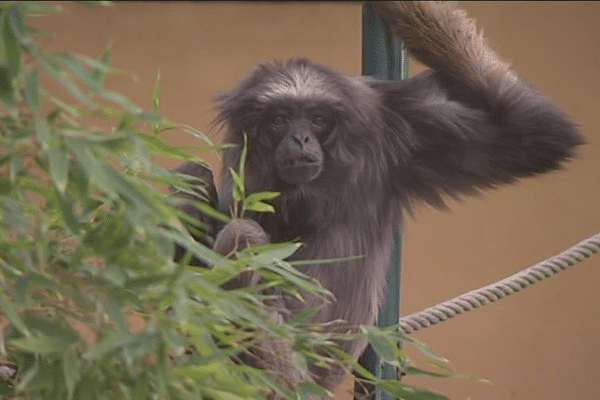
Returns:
(196, 372)
(71, 371)
(172, 338)
(422, 372)
(238, 185)
(300, 362)
(12, 48)
(25, 380)
(79, 181)
(156, 91)
(254, 201)
(13, 213)
(39, 6)
(119, 99)
(259, 207)
(405, 392)
(113, 182)
(386, 347)
(243, 157)
(422, 348)
(151, 117)
(43, 133)
(113, 309)
(100, 69)
(303, 316)
(135, 197)
(21, 292)
(7, 188)
(308, 390)
(206, 209)
(281, 252)
(14, 16)
(42, 344)
(31, 93)
(102, 65)
(75, 67)
(198, 249)
(51, 327)
(111, 343)
(12, 315)
(158, 146)
(259, 196)
(51, 68)
(6, 89)
(194, 132)
(219, 274)
(58, 162)
(87, 161)
(68, 215)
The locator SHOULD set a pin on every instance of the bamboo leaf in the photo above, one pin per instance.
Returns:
(68, 215)
(198, 249)
(405, 392)
(71, 371)
(12, 48)
(385, 347)
(259, 207)
(100, 68)
(211, 212)
(259, 196)
(42, 344)
(75, 67)
(12, 315)
(43, 134)
(58, 162)
(310, 390)
(243, 158)
(111, 343)
(31, 93)
(238, 185)
(6, 89)
(51, 68)
(102, 65)
(150, 117)
(120, 100)
(254, 201)
(156, 91)
(14, 17)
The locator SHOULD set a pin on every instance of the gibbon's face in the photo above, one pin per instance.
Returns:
(297, 133)
(305, 122)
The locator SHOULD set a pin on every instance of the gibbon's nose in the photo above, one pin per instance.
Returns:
(302, 137)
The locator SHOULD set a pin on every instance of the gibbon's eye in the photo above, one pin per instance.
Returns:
(319, 121)
(278, 122)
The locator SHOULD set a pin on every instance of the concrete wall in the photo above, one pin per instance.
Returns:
(540, 344)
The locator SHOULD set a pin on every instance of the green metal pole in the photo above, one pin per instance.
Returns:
(384, 57)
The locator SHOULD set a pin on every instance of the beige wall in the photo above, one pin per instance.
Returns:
(540, 344)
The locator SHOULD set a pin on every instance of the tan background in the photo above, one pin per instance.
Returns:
(540, 344)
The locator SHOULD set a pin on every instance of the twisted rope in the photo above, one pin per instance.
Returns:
(502, 288)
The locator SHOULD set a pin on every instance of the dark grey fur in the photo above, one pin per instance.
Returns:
(467, 125)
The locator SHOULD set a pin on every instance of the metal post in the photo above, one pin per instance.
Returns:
(384, 57)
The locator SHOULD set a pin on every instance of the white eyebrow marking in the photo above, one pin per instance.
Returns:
(300, 82)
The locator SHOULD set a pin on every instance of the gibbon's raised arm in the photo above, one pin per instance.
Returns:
(471, 122)
(461, 139)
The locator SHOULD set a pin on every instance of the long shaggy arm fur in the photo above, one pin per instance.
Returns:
(470, 122)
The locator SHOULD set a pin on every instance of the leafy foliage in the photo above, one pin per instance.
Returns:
(92, 304)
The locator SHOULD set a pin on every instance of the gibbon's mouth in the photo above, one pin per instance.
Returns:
(298, 170)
